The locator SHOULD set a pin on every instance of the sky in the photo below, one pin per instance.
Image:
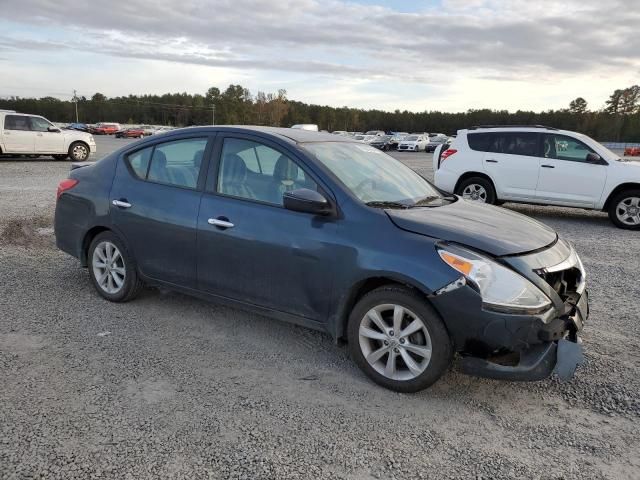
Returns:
(447, 55)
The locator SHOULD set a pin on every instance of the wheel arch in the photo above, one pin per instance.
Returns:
(359, 290)
(92, 233)
(75, 142)
(468, 175)
(620, 188)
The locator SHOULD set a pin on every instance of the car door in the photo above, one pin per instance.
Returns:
(511, 160)
(154, 205)
(250, 248)
(566, 178)
(46, 141)
(17, 134)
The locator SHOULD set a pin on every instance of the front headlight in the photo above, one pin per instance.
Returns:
(501, 289)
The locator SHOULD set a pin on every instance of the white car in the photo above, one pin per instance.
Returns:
(413, 143)
(23, 134)
(365, 138)
(375, 133)
(312, 127)
(436, 139)
(540, 165)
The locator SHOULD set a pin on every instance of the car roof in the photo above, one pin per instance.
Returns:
(291, 134)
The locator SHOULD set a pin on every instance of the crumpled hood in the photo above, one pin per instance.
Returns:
(495, 230)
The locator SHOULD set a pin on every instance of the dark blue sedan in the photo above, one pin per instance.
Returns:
(332, 234)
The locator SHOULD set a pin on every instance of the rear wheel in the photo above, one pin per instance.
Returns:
(624, 210)
(477, 189)
(112, 268)
(398, 340)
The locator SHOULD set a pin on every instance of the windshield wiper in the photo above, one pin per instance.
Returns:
(426, 200)
(384, 204)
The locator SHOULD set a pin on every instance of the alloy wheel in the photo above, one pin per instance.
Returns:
(628, 211)
(80, 152)
(475, 192)
(108, 267)
(395, 342)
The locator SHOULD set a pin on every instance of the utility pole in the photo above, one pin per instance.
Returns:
(213, 114)
(75, 101)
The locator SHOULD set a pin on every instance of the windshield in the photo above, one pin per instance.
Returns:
(411, 138)
(371, 175)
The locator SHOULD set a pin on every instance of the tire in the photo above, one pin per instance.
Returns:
(624, 209)
(431, 334)
(477, 189)
(60, 157)
(79, 151)
(123, 267)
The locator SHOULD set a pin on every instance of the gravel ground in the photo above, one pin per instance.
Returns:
(170, 386)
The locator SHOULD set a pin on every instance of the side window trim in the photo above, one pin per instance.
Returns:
(204, 167)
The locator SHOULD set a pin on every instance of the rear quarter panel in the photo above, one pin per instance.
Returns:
(85, 206)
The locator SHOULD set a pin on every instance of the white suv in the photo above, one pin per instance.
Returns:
(535, 164)
(22, 134)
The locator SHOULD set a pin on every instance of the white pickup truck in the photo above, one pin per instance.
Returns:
(23, 134)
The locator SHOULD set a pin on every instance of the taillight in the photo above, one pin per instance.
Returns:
(446, 154)
(65, 185)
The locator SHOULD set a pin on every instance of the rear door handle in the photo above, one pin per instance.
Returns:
(220, 222)
(548, 166)
(490, 160)
(121, 204)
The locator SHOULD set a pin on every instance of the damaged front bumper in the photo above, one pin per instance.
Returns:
(516, 347)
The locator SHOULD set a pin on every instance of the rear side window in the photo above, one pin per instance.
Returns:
(177, 163)
(514, 143)
(139, 162)
(16, 122)
(479, 141)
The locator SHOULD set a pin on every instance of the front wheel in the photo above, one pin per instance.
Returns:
(398, 340)
(477, 189)
(624, 210)
(112, 268)
(79, 152)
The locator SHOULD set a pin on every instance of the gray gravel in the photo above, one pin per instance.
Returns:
(170, 386)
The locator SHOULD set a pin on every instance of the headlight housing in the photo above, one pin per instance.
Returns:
(501, 289)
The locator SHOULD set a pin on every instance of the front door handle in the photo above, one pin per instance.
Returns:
(121, 204)
(548, 166)
(220, 222)
(490, 160)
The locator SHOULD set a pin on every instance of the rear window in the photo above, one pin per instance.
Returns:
(513, 143)
(16, 122)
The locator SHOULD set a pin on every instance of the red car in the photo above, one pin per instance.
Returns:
(130, 133)
(632, 152)
(105, 128)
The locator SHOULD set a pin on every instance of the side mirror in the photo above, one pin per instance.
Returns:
(53, 129)
(306, 201)
(595, 159)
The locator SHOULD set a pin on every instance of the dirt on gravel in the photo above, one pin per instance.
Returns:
(174, 387)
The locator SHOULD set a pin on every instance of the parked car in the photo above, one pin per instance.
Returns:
(23, 134)
(136, 132)
(382, 142)
(335, 235)
(312, 127)
(413, 143)
(364, 138)
(378, 133)
(436, 139)
(340, 132)
(82, 127)
(105, 128)
(632, 152)
(164, 129)
(396, 138)
(540, 165)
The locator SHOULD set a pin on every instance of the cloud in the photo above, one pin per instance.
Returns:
(498, 40)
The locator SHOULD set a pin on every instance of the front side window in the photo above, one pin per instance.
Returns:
(372, 175)
(16, 122)
(255, 171)
(514, 143)
(40, 124)
(562, 147)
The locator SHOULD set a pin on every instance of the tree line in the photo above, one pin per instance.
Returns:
(618, 120)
